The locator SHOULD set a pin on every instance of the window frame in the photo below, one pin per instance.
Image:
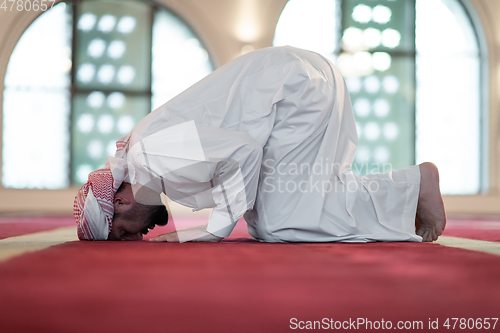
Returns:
(74, 89)
(485, 167)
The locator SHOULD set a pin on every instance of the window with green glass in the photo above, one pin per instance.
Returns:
(377, 57)
(413, 70)
(111, 63)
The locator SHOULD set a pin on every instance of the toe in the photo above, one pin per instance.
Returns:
(439, 231)
(425, 236)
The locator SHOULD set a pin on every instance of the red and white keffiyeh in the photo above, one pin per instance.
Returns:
(93, 206)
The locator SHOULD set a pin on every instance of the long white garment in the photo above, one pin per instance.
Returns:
(272, 134)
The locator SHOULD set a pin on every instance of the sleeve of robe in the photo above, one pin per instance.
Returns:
(207, 167)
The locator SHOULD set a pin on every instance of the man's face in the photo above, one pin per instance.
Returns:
(127, 229)
(122, 229)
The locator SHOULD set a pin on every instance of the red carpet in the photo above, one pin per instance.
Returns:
(241, 286)
(480, 229)
(16, 226)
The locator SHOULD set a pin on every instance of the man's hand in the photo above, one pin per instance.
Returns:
(193, 234)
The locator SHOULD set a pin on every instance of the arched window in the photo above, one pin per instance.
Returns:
(413, 69)
(80, 77)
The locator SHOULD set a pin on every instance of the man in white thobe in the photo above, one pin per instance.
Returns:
(271, 136)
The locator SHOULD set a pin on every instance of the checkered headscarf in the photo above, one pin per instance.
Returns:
(93, 206)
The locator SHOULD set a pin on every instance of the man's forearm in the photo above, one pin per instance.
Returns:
(193, 234)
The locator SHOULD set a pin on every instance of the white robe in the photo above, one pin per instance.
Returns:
(271, 135)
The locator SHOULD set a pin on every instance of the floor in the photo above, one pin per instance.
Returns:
(50, 282)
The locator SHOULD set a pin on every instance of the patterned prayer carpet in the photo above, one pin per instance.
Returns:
(240, 285)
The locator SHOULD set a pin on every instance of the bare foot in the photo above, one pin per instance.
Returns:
(431, 217)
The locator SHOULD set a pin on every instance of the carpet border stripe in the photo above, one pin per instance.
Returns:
(15, 246)
(469, 244)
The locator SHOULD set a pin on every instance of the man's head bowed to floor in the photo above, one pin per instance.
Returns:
(103, 212)
(105, 208)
